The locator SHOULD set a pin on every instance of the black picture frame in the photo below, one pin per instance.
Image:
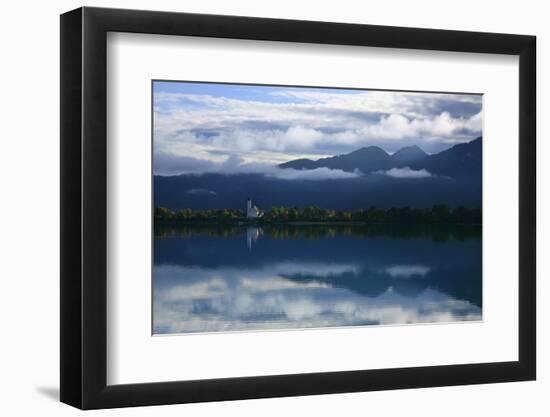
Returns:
(84, 207)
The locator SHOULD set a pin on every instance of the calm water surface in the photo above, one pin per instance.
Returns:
(211, 278)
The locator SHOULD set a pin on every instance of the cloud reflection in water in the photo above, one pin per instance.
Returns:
(214, 278)
(234, 299)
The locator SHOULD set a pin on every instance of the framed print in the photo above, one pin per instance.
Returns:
(258, 207)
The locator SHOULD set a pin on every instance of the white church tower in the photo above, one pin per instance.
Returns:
(252, 212)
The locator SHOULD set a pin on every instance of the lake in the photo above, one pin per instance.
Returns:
(221, 278)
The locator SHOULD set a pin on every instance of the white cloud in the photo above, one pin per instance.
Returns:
(397, 127)
(314, 123)
(235, 300)
(170, 164)
(410, 104)
(405, 172)
(277, 283)
(304, 308)
(319, 269)
(209, 288)
(407, 271)
(312, 174)
(165, 163)
(303, 135)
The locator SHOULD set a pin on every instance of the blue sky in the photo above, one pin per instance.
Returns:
(228, 128)
(263, 93)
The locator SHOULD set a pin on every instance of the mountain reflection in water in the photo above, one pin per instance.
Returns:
(210, 278)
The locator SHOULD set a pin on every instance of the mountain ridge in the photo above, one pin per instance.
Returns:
(452, 177)
(408, 155)
(463, 159)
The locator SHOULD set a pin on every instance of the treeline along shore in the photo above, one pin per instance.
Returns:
(439, 213)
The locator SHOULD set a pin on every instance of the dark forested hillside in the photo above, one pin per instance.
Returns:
(452, 177)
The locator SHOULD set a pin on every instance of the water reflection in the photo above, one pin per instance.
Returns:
(252, 235)
(211, 278)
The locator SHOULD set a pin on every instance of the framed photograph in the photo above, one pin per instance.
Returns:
(258, 208)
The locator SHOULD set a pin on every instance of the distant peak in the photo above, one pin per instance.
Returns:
(412, 148)
(408, 154)
(368, 149)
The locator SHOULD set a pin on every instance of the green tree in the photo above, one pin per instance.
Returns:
(163, 213)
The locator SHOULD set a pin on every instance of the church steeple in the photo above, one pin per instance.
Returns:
(252, 212)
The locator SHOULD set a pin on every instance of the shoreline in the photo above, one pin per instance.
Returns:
(245, 222)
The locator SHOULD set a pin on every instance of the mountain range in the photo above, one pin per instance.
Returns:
(462, 160)
(453, 176)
